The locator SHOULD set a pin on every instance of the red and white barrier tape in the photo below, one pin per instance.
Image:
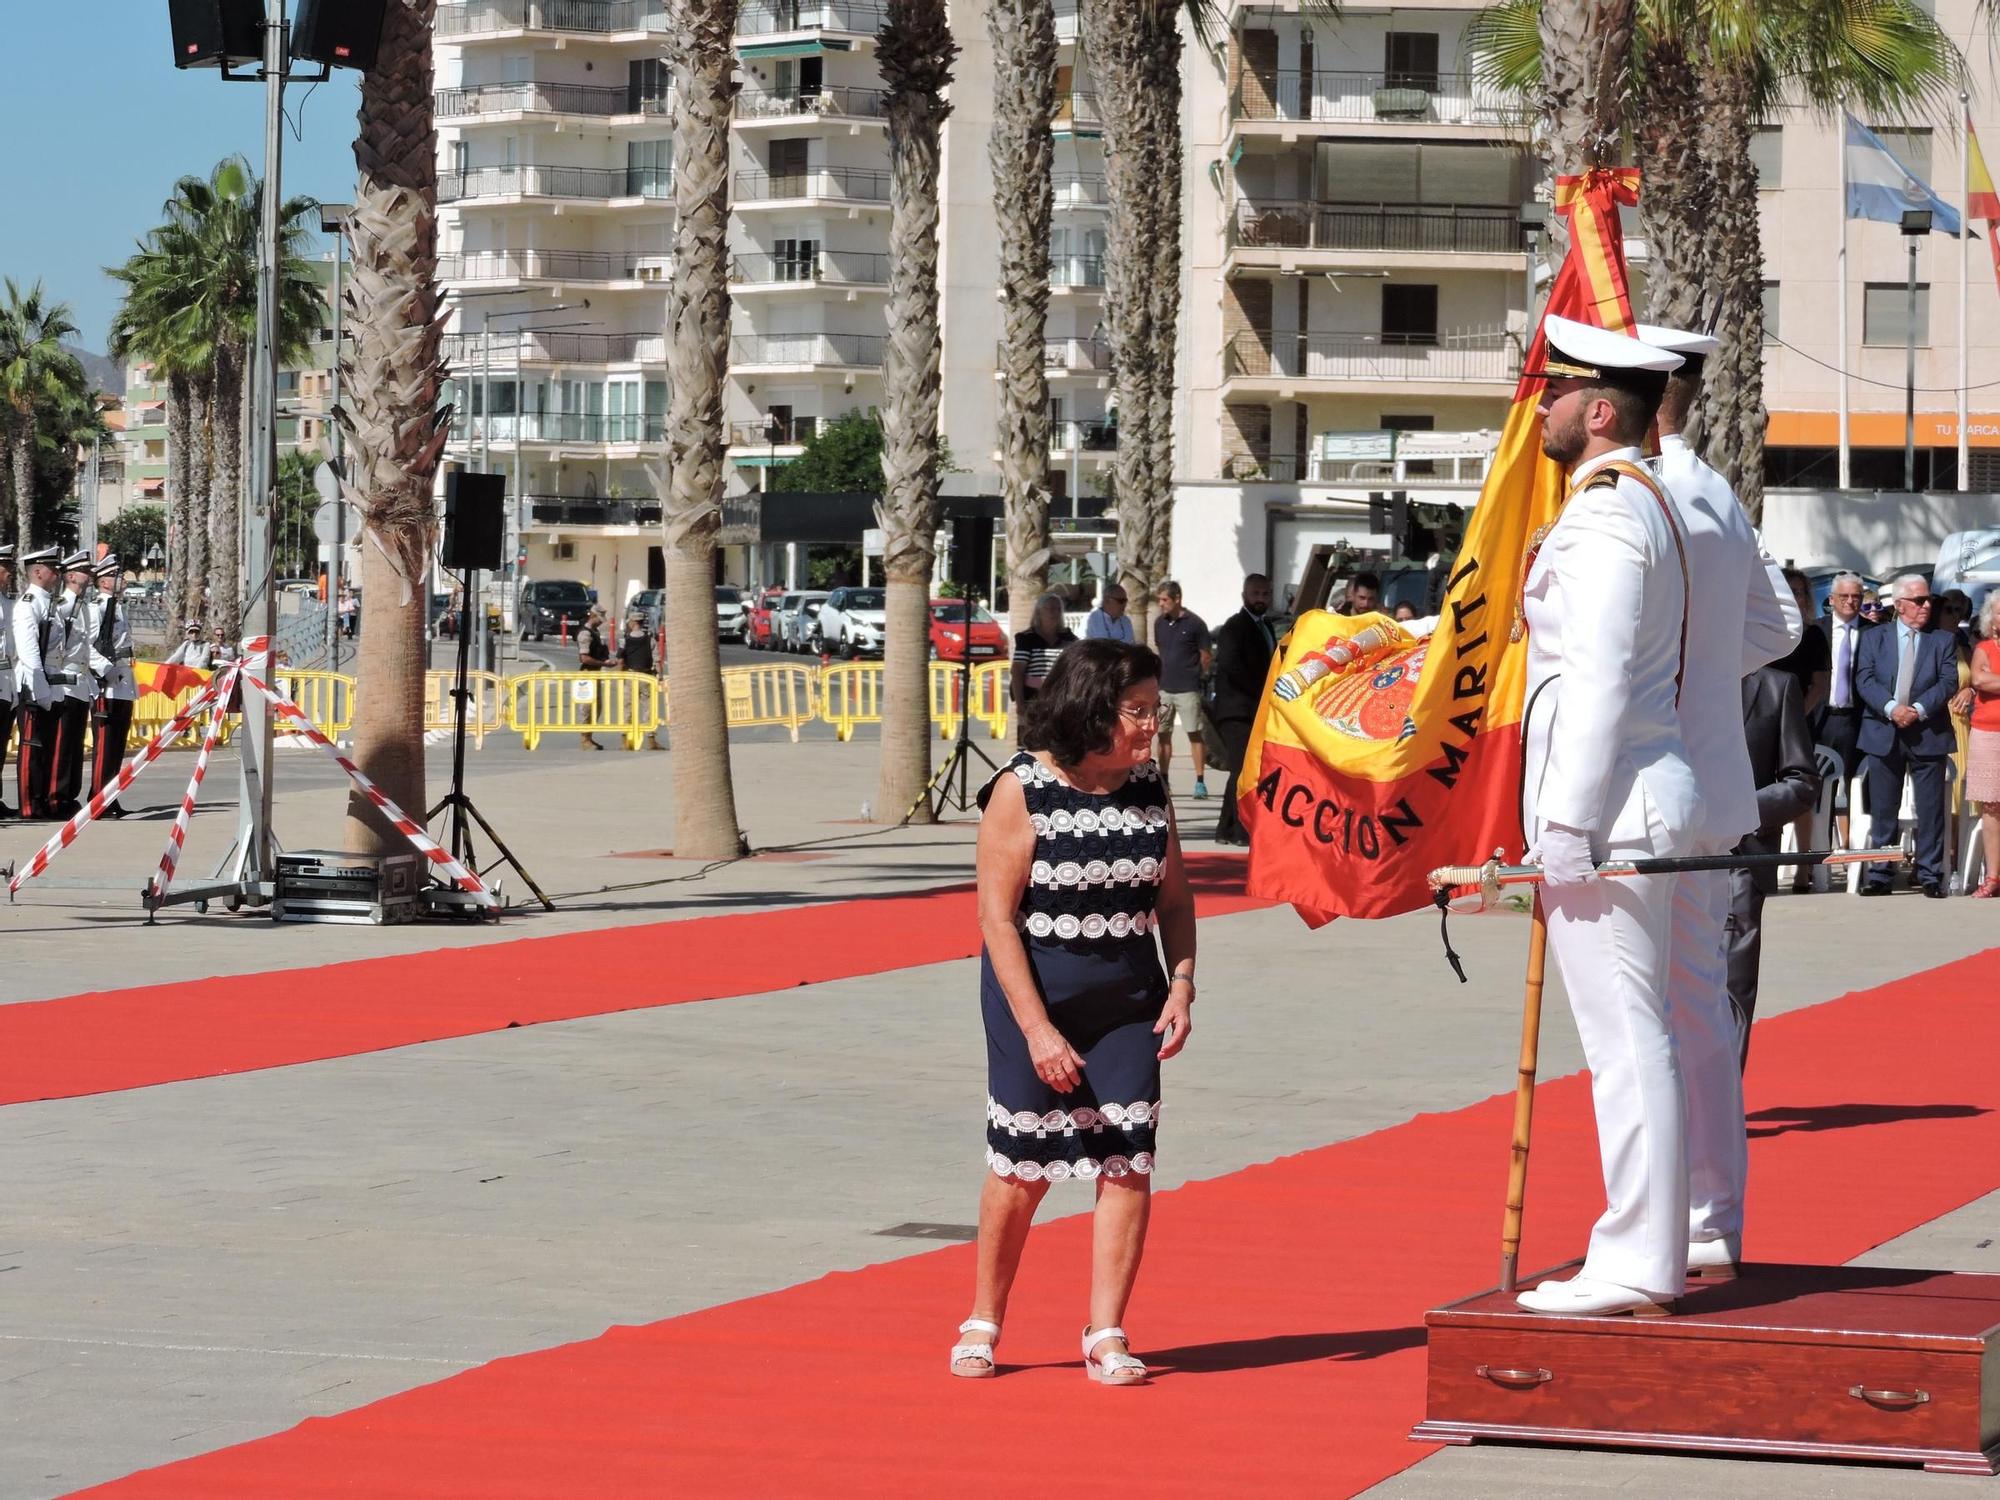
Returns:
(170, 857)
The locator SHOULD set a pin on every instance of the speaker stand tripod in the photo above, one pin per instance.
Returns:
(959, 762)
(461, 805)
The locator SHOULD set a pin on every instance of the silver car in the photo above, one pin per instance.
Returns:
(796, 614)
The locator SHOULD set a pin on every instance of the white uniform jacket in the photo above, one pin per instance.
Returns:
(114, 671)
(73, 619)
(1604, 603)
(6, 650)
(33, 612)
(1746, 617)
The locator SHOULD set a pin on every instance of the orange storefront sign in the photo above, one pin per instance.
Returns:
(1878, 429)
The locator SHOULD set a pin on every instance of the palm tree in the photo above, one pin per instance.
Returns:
(916, 51)
(390, 381)
(701, 54)
(34, 367)
(1021, 149)
(142, 328)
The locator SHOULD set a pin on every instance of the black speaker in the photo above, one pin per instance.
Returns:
(474, 519)
(970, 561)
(339, 33)
(208, 33)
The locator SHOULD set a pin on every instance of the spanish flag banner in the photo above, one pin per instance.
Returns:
(168, 679)
(1360, 781)
(1980, 199)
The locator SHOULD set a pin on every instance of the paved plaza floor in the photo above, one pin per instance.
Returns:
(193, 1265)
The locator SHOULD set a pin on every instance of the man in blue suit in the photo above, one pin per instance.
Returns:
(1905, 676)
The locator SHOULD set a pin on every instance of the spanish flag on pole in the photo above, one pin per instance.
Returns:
(1359, 782)
(1980, 199)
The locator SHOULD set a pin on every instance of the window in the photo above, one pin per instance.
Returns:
(1771, 335)
(1912, 146)
(1885, 312)
(795, 260)
(1767, 155)
(1410, 315)
(649, 169)
(788, 168)
(647, 83)
(1402, 422)
(1410, 60)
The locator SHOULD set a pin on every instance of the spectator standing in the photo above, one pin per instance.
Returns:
(1364, 595)
(193, 651)
(1982, 753)
(1181, 640)
(1839, 725)
(1244, 646)
(350, 613)
(1907, 677)
(592, 655)
(1109, 622)
(1810, 661)
(1036, 650)
(635, 654)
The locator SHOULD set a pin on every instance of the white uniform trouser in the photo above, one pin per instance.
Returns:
(1611, 943)
(1705, 1031)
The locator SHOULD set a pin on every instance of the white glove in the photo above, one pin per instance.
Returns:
(1564, 855)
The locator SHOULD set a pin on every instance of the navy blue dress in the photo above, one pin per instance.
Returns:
(1087, 920)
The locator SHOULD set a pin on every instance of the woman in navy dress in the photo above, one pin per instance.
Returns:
(1079, 868)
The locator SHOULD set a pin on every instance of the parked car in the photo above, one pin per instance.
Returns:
(646, 604)
(948, 636)
(760, 622)
(729, 612)
(547, 603)
(797, 612)
(851, 623)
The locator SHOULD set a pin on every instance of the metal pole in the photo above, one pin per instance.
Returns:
(1910, 378)
(1840, 302)
(1964, 246)
(87, 521)
(340, 506)
(472, 605)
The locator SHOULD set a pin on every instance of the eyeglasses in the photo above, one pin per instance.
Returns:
(1922, 601)
(1141, 716)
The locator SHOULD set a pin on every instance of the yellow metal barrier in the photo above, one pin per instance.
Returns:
(327, 699)
(485, 713)
(154, 711)
(627, 704)
(785, 696)
(851, 693)
(991, 700)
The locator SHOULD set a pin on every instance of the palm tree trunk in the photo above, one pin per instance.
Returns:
(1021, 149)
(225, 506)
(179, 439)
(700, 53)
(1733, 382)
(1586, 64)
(194, 518)
(1162, 101)
(21, 471)
(1679, 187)
(916, 51)
(390, 386)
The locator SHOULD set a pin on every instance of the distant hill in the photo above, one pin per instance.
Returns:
(104, 371)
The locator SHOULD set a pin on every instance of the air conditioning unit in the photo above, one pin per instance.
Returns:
(565, 551)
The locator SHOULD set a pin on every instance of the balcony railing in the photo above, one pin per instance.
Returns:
(588, 510)
(600, 183)
(590, 17)
(1073, 190)
(840, 350)
(1077, 110)
(772, 17)
(1076, 271)
(1339, 97)
(828, 101)
(1083, 437)
(1252, 464)
(827, 268)
(1480, 356)
(554, 265)
(503, 429)
(796, 432)
(534, 346)
(545, 99)
(1083, 356)
(842, 184)
(1483, 228)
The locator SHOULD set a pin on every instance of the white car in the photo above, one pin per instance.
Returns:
(794, 617)
(852, 622)
(731, 615)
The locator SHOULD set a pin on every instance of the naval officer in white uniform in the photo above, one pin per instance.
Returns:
(1606, 776)
(1747, 618)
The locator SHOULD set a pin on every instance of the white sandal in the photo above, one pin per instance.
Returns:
(1113, 1368)
(975, 1351)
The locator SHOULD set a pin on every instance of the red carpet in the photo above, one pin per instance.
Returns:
(128, 1039)
(1282, 1304)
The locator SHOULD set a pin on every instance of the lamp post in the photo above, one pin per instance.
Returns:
(1916, 224)
(333, 221)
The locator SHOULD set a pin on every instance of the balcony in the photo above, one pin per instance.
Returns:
(762, 18)
(468, 352)
(1076, 272)
(1073, 190)
(795, 433)
(1077, 113)
(827, 102)
(566, 267)
(545, 99)
(819, 184)
(1349, 98)
(1481, 357)
(1425, 228)
(1403, 457)
(589, 510)
(1070, 356)
(838, 351)
(1261, 465)
(593, 429)
(572, 184)
(828, 268)
(472, 19)
(1083, 437)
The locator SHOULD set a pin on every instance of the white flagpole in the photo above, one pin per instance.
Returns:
(1964, 241)
(1840, 323)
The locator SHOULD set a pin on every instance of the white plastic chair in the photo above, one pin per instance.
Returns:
(1831, 802)
(1860, 818)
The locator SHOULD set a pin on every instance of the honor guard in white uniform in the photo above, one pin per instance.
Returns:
(1747, 618)
(35, 696)
(79, 686)
(1606, 776)
(117, 686)
(7, 686)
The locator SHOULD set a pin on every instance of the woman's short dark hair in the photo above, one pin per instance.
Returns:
(1077, 709)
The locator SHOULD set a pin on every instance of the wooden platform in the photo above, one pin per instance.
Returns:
(1843, 1362)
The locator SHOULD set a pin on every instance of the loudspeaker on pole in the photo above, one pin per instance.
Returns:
(474, 519)
(339, 33)
(209, 33)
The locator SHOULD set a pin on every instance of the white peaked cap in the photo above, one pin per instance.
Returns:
(1584, 351)
(1678, 340)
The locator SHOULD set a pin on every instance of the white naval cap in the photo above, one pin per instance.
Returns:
(1583, 351)
(1678, 340)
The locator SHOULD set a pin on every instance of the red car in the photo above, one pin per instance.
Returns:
(757, 622)
(989, 640)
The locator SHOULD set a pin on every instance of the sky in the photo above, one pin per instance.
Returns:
(97, 126)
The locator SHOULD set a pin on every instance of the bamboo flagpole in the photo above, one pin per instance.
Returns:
(1524, 1098)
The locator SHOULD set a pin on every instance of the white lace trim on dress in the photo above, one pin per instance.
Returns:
(1085, 1169)
(1069, 927)
(1070, 1121)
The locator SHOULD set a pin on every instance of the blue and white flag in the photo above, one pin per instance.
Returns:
(1880, 187)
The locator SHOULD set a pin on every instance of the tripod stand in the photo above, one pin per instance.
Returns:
(959, 762)
(460, 804)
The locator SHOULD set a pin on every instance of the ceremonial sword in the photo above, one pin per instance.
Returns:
(1454, 882)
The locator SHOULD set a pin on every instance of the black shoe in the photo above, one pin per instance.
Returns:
(1874, 890)
(117, 810)
(66, 809)
(1240, 840)
(1934, 890)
